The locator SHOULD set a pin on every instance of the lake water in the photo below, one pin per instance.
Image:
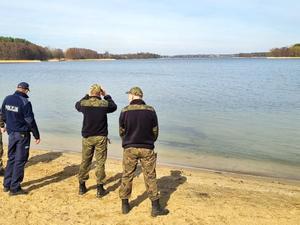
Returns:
(240, 115)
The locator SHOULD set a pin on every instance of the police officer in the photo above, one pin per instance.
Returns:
(2, 130)
(17, 114)
(94, 133)
(138, 127)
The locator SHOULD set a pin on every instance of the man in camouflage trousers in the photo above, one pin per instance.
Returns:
(94, 133)
(138, 128)
(1, 146)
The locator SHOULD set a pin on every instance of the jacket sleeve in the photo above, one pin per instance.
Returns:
(111, 104)
(121, 125)
(29, 118)
(78, 105)
(155, 128)
(1, 120)
(2, 115)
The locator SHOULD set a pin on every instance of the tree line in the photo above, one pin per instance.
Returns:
(16, 48)
(292, 51)
(21, 49)
(140, 55)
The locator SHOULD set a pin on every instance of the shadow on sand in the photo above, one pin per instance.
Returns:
(117, 178)
(68, 171)
(44, 158)
(112, 179)
(167, 186)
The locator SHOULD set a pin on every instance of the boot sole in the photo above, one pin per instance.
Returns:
(101, 195)
(17, 193)
(126, 211)
(82, 192)
(163, 213)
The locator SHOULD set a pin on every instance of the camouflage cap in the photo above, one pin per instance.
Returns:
(95, 89)
(135, 91)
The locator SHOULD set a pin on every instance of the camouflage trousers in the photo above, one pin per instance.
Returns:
(147, 157)
(93, 145)
(1, 151)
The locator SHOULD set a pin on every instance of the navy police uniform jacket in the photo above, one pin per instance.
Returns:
(16, 112)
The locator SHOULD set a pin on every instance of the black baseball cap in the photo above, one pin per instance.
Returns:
(23, 85)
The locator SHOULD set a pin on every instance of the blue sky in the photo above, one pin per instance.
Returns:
(161, 26)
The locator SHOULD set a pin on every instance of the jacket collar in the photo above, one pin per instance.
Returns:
(21, 94)
(137, 102)
(95, 97)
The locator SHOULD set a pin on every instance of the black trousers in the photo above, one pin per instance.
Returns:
(18, 153)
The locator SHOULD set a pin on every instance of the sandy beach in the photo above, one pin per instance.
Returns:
(192, 196)
(20, 61)
(283, 57)
(83, 60)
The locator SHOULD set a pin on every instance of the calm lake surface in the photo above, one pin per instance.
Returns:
(240, 115)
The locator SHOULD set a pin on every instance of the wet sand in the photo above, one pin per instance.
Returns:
(192, 196)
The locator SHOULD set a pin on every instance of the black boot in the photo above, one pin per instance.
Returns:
(100, 191)
(20, 191)
(157, 210)
(125, 206)
(82, 188)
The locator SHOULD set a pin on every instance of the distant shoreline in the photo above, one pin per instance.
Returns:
(262, 57)
(283, 57)
(67, 60)
(50, 60)
(20, 61)
(89, 60)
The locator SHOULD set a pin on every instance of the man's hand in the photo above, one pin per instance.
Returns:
(103, 92)
(3, 130)
(37, 141)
